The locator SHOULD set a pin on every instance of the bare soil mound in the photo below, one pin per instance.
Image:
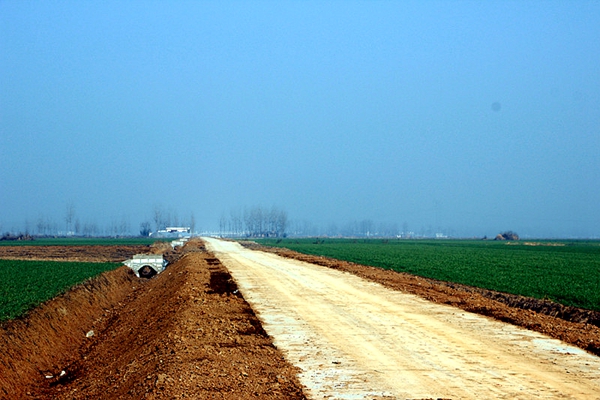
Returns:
(187, 333)
(48, 338)
(578, 327)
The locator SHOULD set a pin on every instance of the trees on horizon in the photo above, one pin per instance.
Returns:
(255, 222)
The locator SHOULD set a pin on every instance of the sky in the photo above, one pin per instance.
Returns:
(469, 118)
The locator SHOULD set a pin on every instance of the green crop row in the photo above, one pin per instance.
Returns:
(26, 284)
(564, 272)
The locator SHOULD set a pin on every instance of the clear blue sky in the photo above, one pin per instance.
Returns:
(465, 117)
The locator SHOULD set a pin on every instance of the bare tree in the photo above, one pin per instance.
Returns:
(69, 217)
(124, 227)
(222, 224)
(112, 229)
(281, 223)
(247, 223)
(43, 225)
(237, 225)
(256, 216)
(145, 228)
(77, 227)
(90, 229)
(161, 219)
(173, 218)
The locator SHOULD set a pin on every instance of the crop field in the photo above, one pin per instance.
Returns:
(567, 272)
(25, 284)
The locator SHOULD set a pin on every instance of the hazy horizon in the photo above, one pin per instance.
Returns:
(456, 117)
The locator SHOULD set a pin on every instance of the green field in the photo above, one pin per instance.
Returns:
(25, 284)
(566, 272)
(83, 241)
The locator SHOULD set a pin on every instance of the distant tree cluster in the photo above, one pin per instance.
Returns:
(145, 229)
(10, 236)
(255, 222)
(365, 228)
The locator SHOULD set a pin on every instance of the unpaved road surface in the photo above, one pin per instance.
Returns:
(356, 339)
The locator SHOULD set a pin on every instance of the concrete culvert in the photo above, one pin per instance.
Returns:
(146, 265)
(146, 272)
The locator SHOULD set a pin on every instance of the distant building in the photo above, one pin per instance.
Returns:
(173, 232)
(180, 229)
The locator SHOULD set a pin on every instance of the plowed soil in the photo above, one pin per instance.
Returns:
(72, 253)
(188, 333)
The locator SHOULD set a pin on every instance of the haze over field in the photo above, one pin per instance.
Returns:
(467, 118)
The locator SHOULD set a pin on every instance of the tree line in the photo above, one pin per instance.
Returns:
(73, 225)
(256, 222)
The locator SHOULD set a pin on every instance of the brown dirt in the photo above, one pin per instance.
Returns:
(578, 327)
(74, 253)
(187, 333)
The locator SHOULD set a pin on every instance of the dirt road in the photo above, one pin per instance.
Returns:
(356, 339)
